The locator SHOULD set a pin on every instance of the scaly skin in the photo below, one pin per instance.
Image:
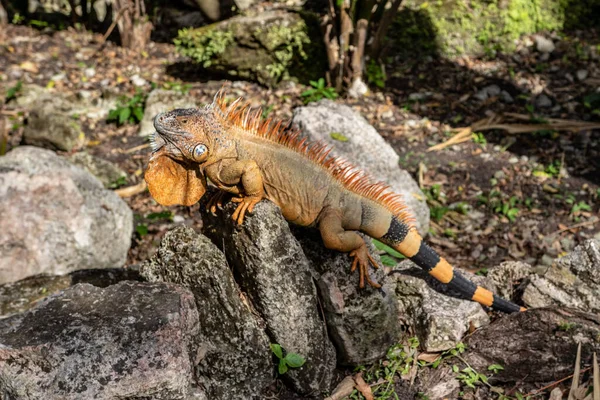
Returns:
(252, 161)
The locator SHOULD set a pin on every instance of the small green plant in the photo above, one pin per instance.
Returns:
(508, 208)
(391, 256)
(128, 110)
(375, 74)
(17, 19)
(204, 44)
(469, 376)
(318, 92)
(183, 88)
(166, 215)
(141, 229)
(581, 206)
(495, 368)
(566, 326)
(266, 111)
(12, 92)
(120, 181)
(290, 360)
(479, 138)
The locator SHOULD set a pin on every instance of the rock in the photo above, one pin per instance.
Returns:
(504, 276)
(543, 101)
(365, 148)
(57, 218)
(571, 281)
(210, 8)
(277, 276)
(51, 124)
(358, 89)
(107, 172)
(264, 46)
(130, 340)
(543, 45)
(160, 100)
(441, 321)
(506, 97)
(546, 338)
(138, 81)
(233, 357)
(487, 92)
(363, 323)
(20, 296)
(439, 383)
(582, 74)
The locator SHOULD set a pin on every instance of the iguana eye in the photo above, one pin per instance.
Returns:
(200, 152)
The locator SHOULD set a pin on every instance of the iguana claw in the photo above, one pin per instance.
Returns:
(247, 204)
(216, 201)
(362, 259)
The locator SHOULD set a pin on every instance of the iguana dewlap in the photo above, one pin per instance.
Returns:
(254, 159)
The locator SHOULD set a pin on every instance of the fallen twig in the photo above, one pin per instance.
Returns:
(132, 190)
(462, 135)
(579, 225)
(343, 389)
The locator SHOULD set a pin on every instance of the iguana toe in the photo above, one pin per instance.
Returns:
(362, 260)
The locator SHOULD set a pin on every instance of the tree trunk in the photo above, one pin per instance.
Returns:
(133, 23)
(3, 15)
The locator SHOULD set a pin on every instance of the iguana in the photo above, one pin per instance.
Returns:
(252, 159)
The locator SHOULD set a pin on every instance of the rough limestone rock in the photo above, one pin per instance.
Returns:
(571, 281)
(275, 273)
(233, 357)
(363, 323)
(439, 383)
(545, 338)
(57, 218)
(365, 148)
(160, 100)
(20, 296)
(130, 340)
(107, 172)
(441, 321)
(505, 275)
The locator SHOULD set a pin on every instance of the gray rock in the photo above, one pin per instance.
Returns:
(571, 281)
(233, 358)
(546, 338)
(20, 296)
(543, 45)
(543, 101)
(160, 100)
(107, 172)
(504, 276)
(441, 321)
(130, 340)
(363, 323)
(277, 276)
(210, 8)
(57, 218)
(365, 148)
(51, 124)
(506, 97)
(358, 89)
(487, 92)
(439, 383)
(582, 74)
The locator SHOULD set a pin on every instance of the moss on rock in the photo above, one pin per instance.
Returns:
(456, 27)
(267, 47)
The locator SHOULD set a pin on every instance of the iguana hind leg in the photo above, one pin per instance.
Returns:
(335, 237)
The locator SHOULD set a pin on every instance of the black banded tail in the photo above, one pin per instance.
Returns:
(408, 242)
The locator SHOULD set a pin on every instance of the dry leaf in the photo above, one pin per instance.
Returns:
(362, 387)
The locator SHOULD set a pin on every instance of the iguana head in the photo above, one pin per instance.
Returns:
(178, 149)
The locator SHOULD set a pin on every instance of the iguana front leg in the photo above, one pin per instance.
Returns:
(242, 178)
(335, 237)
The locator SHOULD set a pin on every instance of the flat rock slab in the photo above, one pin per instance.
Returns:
(57, 218)
(538, 345)
(363, 147)
(233, 359)
(130, 340)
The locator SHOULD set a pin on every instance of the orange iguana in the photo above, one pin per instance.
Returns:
(253, 159)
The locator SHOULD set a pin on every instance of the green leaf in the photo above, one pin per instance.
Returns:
(294, 360)
(160, 215)
(141, 230)
(387, 249)
(283, 368)
(138, 114)
(338, 136)
(388, 260)
(277, 350)
(124, 115)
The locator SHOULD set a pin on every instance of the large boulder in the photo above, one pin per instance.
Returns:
(278, 278)
(233, 358)
(107, 172)
(265, 46)
(130, 340)
(57, 218)
(571, 281)
(363, 147)
(538, 345)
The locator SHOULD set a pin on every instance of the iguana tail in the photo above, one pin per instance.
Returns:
(405, 239)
